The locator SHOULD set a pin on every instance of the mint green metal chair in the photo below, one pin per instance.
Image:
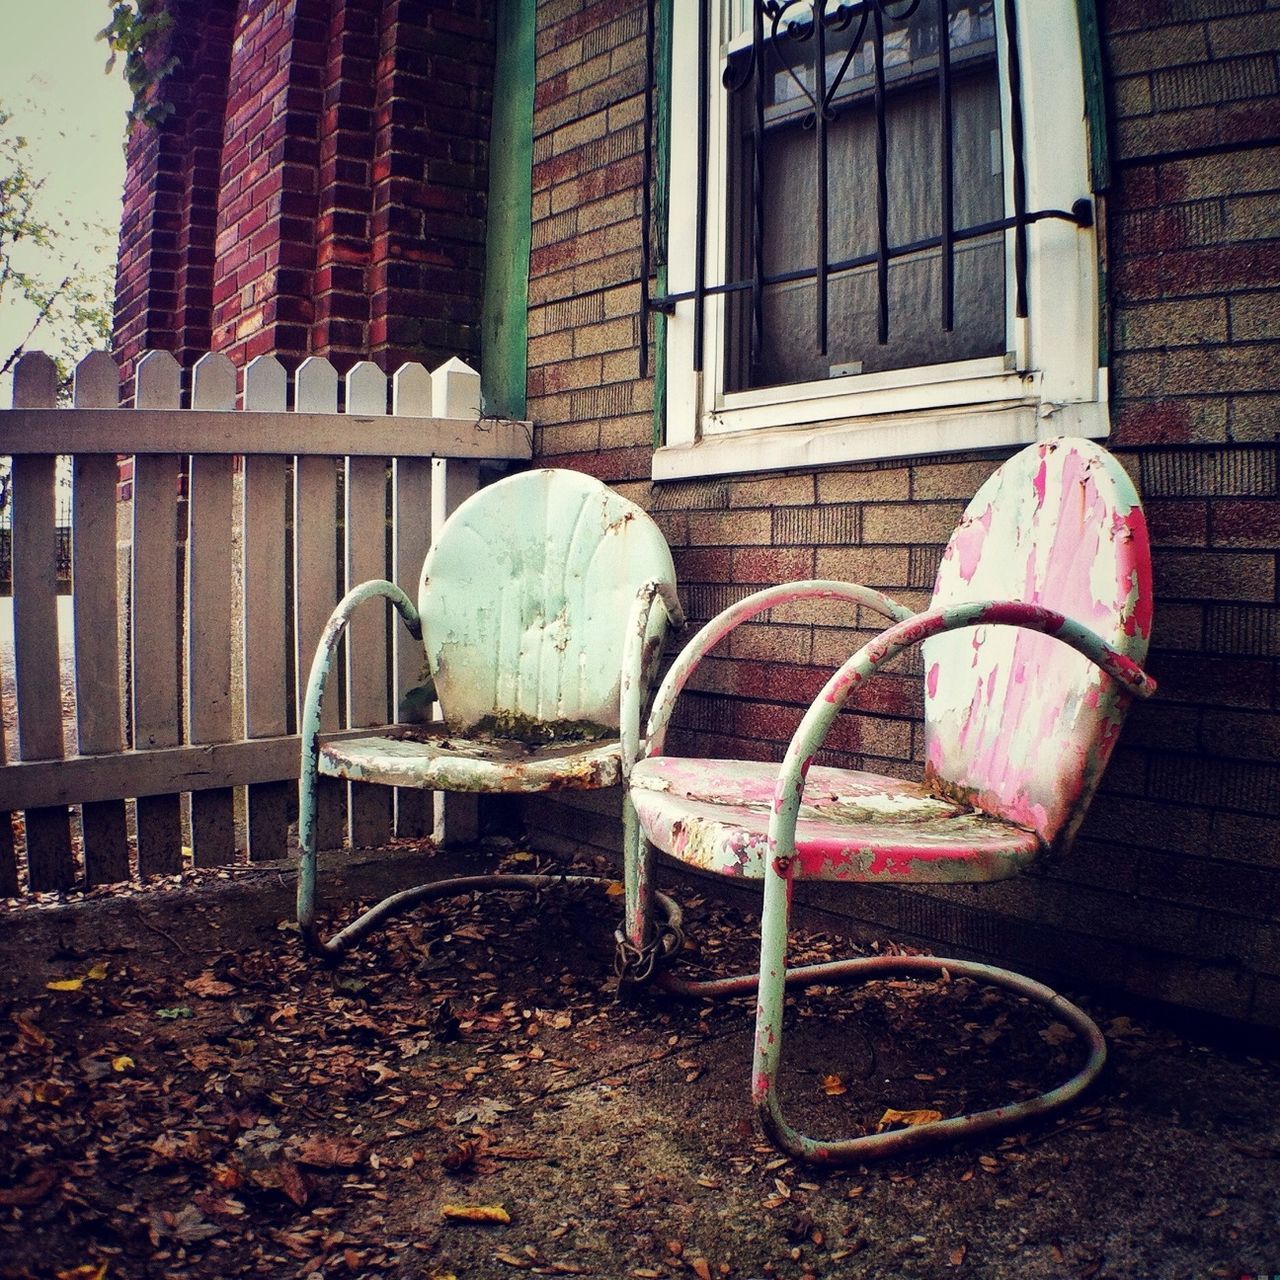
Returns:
(1039, 619)
(542, 609)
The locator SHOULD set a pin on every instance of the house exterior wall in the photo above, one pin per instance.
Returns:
(319, 187)
(1172, 889)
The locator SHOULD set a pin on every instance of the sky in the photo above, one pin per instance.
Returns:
(73, 117)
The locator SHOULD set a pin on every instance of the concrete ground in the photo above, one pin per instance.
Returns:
(196, 1097)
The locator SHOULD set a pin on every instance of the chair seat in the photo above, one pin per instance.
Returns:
(714, 814)
(431, 758)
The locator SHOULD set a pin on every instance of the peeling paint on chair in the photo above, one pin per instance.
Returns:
(1032, 643)
(542, 608)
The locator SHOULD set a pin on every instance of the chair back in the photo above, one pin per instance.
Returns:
(1017, 723)
(525, 597)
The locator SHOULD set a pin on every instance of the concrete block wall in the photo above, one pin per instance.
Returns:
(1172, 890)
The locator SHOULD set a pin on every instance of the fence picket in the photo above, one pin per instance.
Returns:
(264, 606)
(208, 631)
(366, 557)
(315, 552)
(154, 604)
(410, 540)
(96, 604)
(455, 393)
(35, 626)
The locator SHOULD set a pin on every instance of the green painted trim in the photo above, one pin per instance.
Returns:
(504, 320)
(661, 210)
(1095, 95)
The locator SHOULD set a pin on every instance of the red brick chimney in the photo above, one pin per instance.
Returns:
(319, 187)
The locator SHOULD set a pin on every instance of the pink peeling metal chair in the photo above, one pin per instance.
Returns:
(1039, 619)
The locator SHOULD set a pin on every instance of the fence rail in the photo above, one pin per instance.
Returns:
(169, 737)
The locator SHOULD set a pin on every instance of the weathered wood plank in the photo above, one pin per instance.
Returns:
(153, 630)
(365, 525)
(305, 431)
(88, 779)
(95, 604)
(208, 612)
(410, 541)
(264, 610)
(35, 625)
(316, 575)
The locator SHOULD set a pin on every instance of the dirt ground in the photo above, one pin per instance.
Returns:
(192, 1096)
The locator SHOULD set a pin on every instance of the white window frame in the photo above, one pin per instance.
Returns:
(1049, 383)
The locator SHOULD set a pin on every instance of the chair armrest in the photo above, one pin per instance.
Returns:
(313, 704)
(635, 661)
(857, 670)
(734, 616)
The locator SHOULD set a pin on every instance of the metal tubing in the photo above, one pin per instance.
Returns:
(1019, 163)
(723, 623)
(637, 878)
(633, 683)
(875, 1146)
(1080, 215)
(946, 166)
(398, 903)
(310, 734)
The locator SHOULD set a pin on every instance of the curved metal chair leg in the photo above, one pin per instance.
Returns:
(773, 981)
(644, 944)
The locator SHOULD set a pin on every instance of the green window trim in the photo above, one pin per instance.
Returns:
(504, 320)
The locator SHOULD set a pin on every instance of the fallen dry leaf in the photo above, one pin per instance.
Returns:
(474, 1213)
(701, 1268)
(31, 1033)
(86, 1271)
(1057, 1033)
(513, 1260)
(833, 1086)
(208, 986)
(293, 1184)
(65, 984)
(461, 1158)
(53, 1092)
(908, 1118)
(323, 1151)
(956, 1256)
(37, 1185)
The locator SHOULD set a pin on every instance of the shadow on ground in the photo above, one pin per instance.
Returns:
(185, 1094)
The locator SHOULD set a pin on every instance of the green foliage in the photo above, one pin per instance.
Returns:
(70, 304)
(136, 32)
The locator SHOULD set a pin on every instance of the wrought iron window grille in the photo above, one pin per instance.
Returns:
(793, 38)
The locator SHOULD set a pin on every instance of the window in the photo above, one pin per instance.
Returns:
(866, 290)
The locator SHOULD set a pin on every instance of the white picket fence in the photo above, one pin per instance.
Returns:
(198, 603)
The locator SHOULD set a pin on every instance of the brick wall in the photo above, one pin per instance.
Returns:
(319, 188)
(165, 276)
(1172, 889)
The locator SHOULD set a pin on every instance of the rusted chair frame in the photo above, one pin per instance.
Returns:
(639, 938)
(638, 662)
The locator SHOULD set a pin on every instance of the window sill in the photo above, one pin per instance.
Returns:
(866, 440)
